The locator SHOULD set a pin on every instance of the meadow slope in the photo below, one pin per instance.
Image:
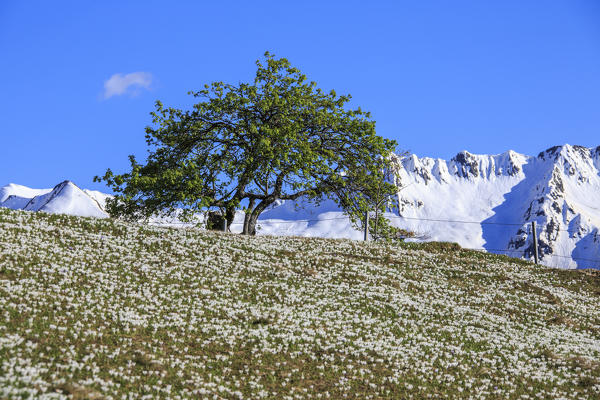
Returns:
(99, 309)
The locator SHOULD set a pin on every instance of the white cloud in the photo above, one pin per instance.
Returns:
(130, 84)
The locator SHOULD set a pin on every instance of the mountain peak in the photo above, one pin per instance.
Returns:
(64, 198)
(566, 151)
(559, 189)
(65, 183)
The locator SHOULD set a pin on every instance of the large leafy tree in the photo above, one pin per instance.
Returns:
(251, 144)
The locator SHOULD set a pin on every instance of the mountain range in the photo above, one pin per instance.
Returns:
(479, 201)
(64, 198)
(491, 201)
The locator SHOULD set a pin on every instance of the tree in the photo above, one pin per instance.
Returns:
(248, 145)
(372, 192)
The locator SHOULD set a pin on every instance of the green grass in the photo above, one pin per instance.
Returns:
(100, 309)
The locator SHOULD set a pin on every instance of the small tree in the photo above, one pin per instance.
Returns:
(278, 138)
(372, 191)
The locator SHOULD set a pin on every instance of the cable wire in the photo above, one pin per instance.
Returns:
(270, 223)
(459, 222)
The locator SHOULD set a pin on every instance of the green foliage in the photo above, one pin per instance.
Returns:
(279, 137)
(372, 191)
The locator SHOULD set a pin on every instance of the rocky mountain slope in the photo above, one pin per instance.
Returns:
(492, 200)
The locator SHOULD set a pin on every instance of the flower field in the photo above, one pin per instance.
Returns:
(99, 309)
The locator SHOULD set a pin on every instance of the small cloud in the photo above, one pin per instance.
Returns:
(130, 84)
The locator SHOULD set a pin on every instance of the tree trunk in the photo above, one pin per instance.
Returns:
(229, 215)
(376, 221)
(377, 202)
(262, 206)
(246, 230)
(252, 219)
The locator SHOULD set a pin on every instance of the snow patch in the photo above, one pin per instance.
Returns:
(64, 198)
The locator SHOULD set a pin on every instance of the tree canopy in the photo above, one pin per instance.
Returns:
(248, 145)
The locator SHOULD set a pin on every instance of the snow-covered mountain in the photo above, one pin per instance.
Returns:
(496, 198)
(479, 201)
(285, 218)
(64, 198)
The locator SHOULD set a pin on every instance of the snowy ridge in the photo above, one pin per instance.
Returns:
(464, 165)
(559, 190)
(64, 198)
(18, 196)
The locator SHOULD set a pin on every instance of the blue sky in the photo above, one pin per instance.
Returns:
(78, 79)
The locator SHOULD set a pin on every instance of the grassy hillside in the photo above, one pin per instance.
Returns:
(100, 309)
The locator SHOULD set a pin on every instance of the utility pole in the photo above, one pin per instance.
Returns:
(535, 242)
(366, 226)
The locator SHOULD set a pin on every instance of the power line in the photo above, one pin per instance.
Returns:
(460, 222)
(389, 217)
(503, 251)
(258, 222)
(573, 258)
(297, 220)
(271, 222)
